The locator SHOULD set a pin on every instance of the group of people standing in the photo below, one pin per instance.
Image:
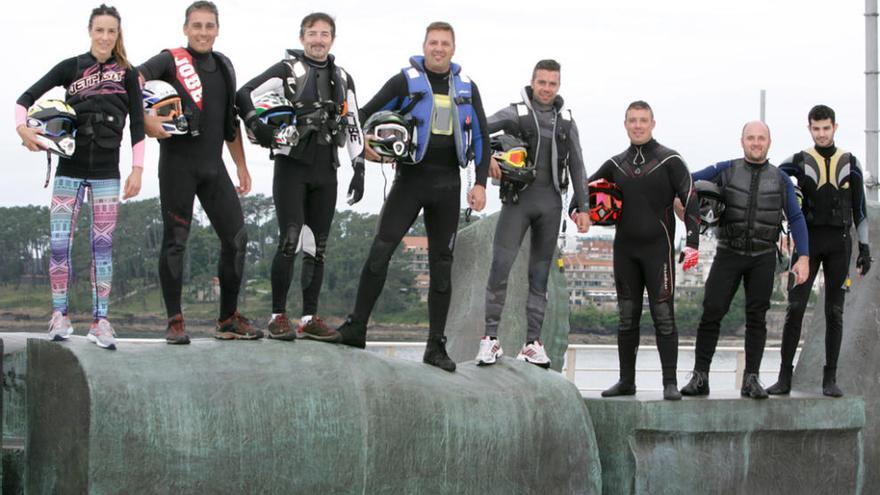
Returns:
(447, 113)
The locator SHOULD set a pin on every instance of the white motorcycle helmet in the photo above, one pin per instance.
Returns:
(56, 120)
(161, 100)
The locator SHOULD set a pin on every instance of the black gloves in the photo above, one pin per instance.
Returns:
(863, 260)
(356, 187)
(264, 133)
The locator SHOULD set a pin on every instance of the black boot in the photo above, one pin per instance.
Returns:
(829, 383)
(783, 384)
(352, 333)
(670, 392)
(752, 387)
(435, 354)
(698, 385)
(622, 387)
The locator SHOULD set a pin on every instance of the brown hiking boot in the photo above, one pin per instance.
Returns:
(316, 329)
(176, 331)
(280, 328)
(236, 327)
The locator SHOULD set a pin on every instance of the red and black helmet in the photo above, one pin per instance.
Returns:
(606, 202)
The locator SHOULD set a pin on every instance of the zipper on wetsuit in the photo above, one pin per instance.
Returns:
(753, 200)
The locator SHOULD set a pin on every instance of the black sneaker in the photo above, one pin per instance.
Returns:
(670, 392)
(698, 385)
(175, 333)
(351, 333)
(752, 387)
(236, 327)
(280, 329)
(435, 354)
(622, 387)
(829, 383)
(783, 384)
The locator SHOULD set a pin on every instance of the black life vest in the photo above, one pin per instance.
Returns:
(531, 134)
(189, 88)
(327, 118)
(826, 187)
(100, 99)
(754, 199)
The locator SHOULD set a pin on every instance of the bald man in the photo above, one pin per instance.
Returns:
(756, 196)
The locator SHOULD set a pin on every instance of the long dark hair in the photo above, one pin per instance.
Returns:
(119, 48)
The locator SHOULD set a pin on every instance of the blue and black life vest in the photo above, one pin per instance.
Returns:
(420, 107)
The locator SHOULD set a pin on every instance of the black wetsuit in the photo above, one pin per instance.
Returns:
(304, 184)
(433, 185)
(192, 166)
(651, 176)
(828, 224)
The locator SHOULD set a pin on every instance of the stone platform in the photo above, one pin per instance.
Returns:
(304, 417)
(803, 444)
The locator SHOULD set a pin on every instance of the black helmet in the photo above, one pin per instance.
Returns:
(512, 157)
(711, 204)
(392, 135)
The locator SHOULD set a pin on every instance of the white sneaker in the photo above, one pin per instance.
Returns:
(534, 353)
(102, 334)
(490, 350)
(59, 327)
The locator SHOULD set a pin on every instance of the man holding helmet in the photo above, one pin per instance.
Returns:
(307, 108)
(650, 176)
(534, 158)
(449, 132)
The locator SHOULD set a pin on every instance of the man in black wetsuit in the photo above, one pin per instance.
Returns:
(756, 197)
(834, 200)
(553, 145)
(192, 165)
(304, 182)
(651, 177)
(451, 129)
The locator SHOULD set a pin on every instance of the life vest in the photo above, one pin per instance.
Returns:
(530, 132)
(327, 118)
(826, 188)
(100, 99)
(419, 105)
(189, 88)
(754, 199)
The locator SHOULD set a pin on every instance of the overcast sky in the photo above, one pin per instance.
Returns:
(700, 64)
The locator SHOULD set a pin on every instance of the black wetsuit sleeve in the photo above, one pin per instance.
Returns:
(135, 107)
(683, 185)
(60, 75)
(859, 209)
(160, 66)
(503, 120)
(482, 161)
(793, 165)
(606, 171)
(576, 168)
(271, 79)
(389, 97)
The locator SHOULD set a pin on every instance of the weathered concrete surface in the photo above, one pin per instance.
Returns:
(271, 417)
(467, 314)
(859, 367)
(14, 367)
(724, 444)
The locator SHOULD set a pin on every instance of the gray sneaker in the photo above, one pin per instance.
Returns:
(102, 334)
(59, 327)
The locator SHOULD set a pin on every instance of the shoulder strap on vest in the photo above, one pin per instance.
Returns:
(187, 75)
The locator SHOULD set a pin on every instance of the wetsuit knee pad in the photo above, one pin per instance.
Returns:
(664, 320)
(380, 256)
(290, 240)
(629, 314)
(239, 244)
(440, 268)
(320, 248)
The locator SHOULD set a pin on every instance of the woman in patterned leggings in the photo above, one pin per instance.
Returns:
(103, 89)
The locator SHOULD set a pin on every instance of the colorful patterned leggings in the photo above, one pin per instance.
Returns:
(67, 197)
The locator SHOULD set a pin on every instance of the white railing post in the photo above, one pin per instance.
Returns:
(740, 367)
(570, 363)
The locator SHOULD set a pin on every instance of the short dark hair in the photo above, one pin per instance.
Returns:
(546, 64)
(310, 20)
(820, 112)
(439, 26)
(639, 105)
(202, 5)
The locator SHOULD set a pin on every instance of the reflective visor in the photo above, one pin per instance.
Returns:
(168, 108)
(277, 119)
(515, 156)
(395, 131)
(57, 127)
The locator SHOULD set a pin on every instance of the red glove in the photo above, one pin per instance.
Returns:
(689, 258)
